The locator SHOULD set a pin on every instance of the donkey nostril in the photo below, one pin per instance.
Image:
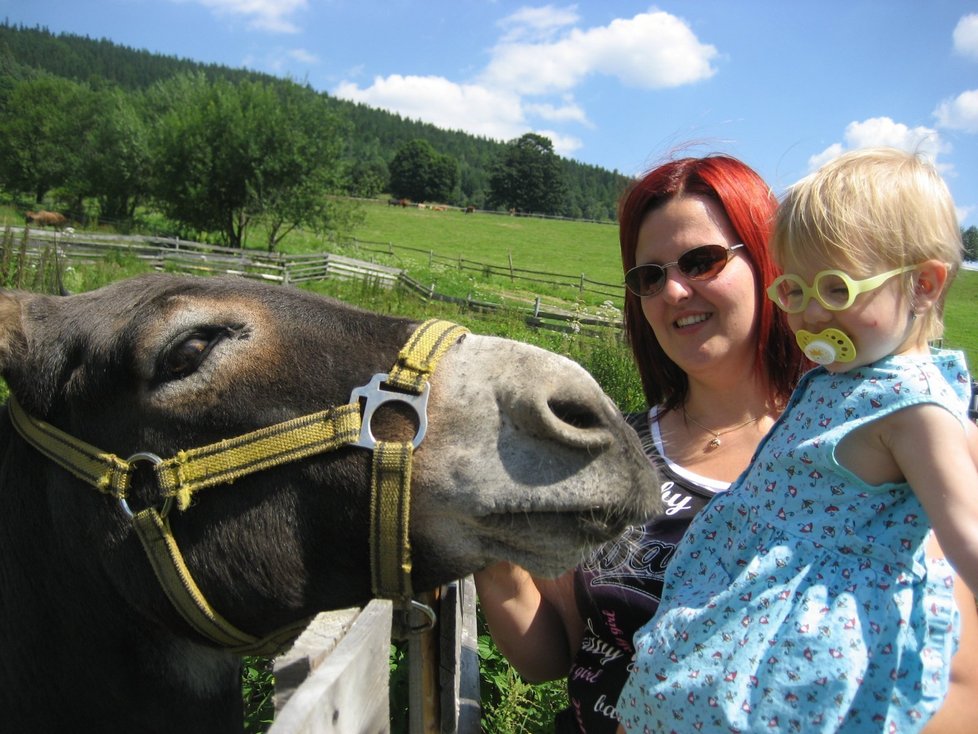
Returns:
(575, 414)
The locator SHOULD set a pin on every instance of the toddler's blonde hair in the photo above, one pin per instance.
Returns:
(868, 211)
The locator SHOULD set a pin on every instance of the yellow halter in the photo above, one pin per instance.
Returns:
(180, 476)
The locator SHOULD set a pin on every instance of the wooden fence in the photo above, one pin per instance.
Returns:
(174, 255)
(581, 283)
(334, 680)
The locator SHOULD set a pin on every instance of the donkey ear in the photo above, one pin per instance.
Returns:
(23, 367)
(13, 343)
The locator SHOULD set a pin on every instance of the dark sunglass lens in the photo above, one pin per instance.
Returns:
(644, 280)
(703, 262)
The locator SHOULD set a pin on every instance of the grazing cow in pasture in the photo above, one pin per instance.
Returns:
(469, 209)
(46, 219)
(269, 433)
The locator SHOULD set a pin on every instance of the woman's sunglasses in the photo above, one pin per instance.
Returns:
(700, 263)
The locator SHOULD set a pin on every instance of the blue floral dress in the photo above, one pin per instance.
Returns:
(801, 600)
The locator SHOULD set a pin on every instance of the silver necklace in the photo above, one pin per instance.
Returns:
(715, 441)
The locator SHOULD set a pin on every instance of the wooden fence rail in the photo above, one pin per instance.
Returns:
(581, 282)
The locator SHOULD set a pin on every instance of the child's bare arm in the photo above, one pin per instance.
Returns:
(959, 711)
(939, 460)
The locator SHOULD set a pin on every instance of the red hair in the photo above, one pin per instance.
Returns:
(750, 206)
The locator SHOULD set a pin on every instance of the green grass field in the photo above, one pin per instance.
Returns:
(536, 244)
(961, 316)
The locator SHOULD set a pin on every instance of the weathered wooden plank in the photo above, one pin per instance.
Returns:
(347, 689)
(461, 707)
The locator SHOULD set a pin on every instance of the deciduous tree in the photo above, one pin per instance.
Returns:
(227, 155)
(420, 173)
(42, 121)
(116, 162)
(970, 238)
(527, 176)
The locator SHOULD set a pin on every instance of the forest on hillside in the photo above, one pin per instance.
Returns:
(366, 140)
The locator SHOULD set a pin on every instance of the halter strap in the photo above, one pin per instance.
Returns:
(186, 473)
(180, 476)
(390, 492)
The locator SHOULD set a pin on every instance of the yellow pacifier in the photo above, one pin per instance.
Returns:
(827, 346)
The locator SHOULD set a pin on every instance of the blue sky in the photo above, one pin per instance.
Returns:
(783, 85)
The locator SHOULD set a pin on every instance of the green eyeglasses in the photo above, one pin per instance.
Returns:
(832, 288)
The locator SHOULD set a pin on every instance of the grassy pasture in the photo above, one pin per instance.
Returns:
(961, 317)
(553, 245)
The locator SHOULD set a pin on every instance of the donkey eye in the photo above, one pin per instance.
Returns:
(186, 356)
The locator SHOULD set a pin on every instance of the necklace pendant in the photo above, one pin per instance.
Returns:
(715, 443)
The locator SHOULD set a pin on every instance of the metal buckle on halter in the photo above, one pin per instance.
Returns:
(152, 459)
(375, 396)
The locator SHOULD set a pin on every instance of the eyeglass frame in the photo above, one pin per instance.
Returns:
(855, 287)
(729, 250)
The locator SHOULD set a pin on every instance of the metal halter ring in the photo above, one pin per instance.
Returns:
(375, 396)
(152, 459)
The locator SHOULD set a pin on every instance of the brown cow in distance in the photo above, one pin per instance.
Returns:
(46, 219)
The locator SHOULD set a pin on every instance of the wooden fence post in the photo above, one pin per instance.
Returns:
(461, 707)
(424, 712)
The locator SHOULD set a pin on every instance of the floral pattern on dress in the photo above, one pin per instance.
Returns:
(801, 600)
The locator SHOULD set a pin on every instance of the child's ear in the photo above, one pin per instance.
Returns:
(929, 280)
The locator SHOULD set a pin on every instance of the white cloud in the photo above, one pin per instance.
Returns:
(564, 145)
(470, 107)
(966, 36)
(567, 112)
(280, 60)
(883, 131)
(303, 56)
(960, 113)
(537, 24)
(265, 15)
(540, 57)
(820, 159)
(652, 51)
